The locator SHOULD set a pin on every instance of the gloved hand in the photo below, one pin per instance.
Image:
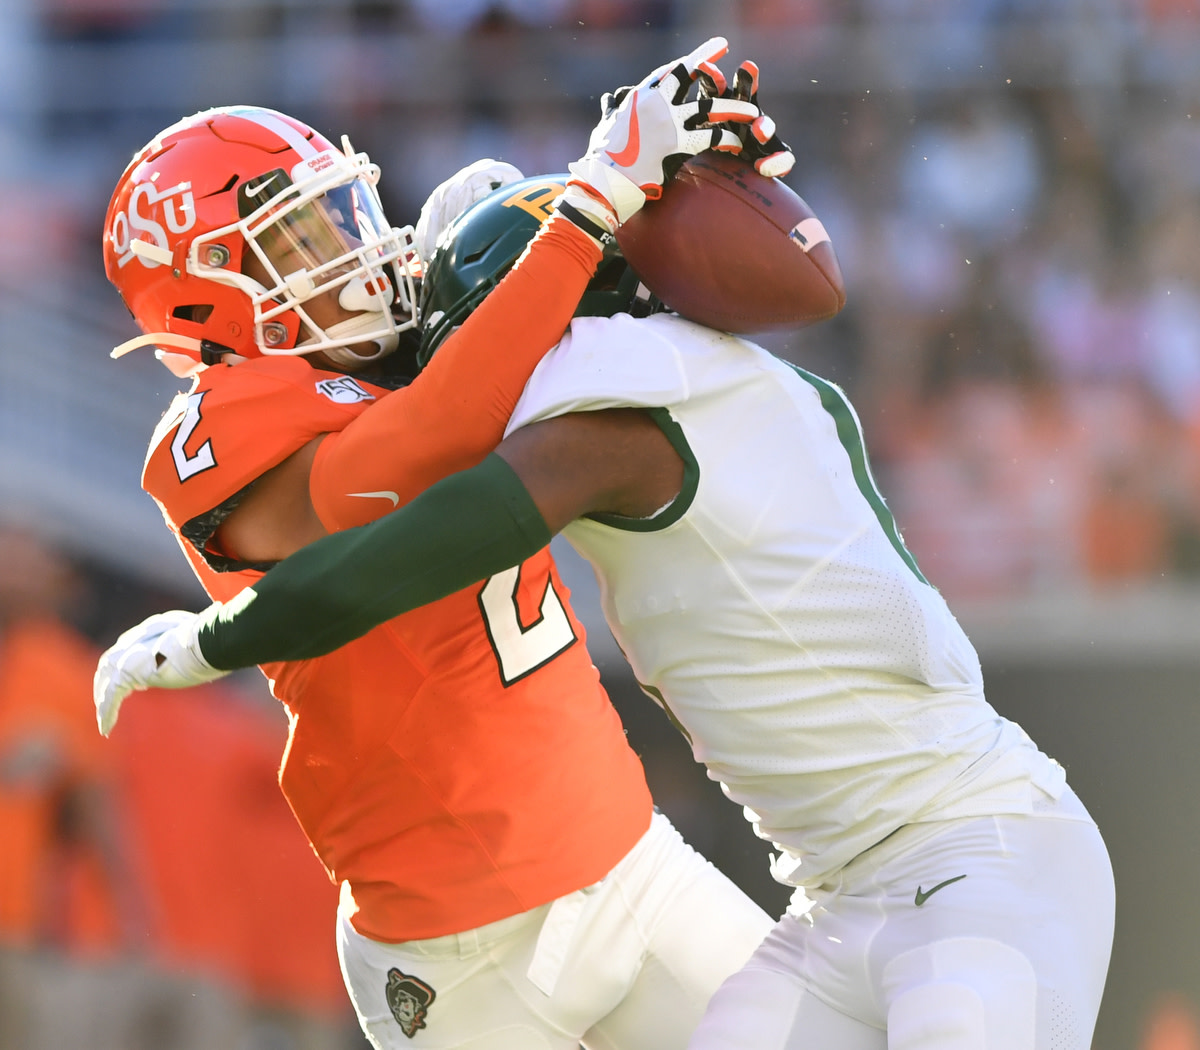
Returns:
(161, 652)
(456, 195)
(771, 155)
(646, 126)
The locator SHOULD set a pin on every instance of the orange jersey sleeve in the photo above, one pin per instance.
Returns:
(456, 410)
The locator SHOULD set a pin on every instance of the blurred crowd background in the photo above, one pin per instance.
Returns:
(1013, 189)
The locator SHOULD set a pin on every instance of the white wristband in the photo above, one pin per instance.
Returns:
(625, 196)
(180, 662)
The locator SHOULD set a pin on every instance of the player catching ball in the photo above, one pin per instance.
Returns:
(952, 892)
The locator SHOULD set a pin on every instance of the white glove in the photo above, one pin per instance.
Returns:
(456, 195)
(161, 652)
(645, 125)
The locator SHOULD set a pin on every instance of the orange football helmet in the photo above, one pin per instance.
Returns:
(227, 230)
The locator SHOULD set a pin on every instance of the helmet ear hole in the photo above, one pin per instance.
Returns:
(197, 313)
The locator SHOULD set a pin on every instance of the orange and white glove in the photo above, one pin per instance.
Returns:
(760, 143)
(647, 130)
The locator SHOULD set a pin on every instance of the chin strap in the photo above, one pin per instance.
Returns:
(158, 339)
(182, 365)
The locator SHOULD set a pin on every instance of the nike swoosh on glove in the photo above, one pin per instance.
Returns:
(645, 127)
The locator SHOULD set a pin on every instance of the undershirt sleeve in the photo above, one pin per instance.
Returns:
(455, 412)
(463, 529)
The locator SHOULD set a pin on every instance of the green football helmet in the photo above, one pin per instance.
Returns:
(476, 250)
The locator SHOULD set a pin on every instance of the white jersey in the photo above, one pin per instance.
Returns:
(772, 607)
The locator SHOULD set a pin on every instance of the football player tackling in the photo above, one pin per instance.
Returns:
(952, 891)
(459, 771)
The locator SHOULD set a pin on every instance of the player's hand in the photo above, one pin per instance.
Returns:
(455, 195)
(760, 143)
(161, 652)
(646, 127)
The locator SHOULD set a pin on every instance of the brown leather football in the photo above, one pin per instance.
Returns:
(732, 249)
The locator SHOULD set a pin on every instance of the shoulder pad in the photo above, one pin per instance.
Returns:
(239, 421)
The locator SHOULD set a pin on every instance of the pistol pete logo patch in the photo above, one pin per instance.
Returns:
(409, 999)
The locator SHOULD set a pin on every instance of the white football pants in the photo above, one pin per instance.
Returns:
(627, 964)
(989, 933)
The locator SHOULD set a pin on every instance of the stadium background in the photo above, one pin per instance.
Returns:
(1012, 187)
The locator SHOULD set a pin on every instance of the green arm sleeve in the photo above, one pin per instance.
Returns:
(465, 528)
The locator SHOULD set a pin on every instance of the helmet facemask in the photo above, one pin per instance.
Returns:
(300, 259)
(319, 241)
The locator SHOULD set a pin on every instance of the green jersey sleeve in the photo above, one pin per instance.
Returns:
(464, 529)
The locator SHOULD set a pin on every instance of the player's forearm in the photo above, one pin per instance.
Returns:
(456, 410)
(462, 530)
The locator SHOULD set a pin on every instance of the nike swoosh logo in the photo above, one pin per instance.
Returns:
(634, 143)
(253, 191)
(924, 895)
(385, 494)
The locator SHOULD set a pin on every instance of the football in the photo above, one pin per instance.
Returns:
(734, 250)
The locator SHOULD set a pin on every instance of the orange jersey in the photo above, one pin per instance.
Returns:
(462, 762)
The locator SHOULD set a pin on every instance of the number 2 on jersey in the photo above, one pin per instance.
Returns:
(519, 649)
(186, 465)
